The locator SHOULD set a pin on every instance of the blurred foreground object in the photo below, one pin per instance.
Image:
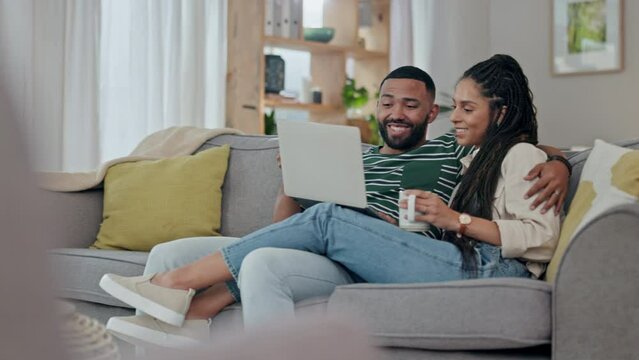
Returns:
(84, 337)
(309, 338)
(27, 329)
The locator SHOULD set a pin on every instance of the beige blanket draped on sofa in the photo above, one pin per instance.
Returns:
(167, 143)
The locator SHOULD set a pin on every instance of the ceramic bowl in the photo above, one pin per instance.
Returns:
(322, 34)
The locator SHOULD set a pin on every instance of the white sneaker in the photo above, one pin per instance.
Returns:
(146, 331)
(168, 305)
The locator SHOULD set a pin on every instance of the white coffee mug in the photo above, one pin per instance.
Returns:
(407, 216)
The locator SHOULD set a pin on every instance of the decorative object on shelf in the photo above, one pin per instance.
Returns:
(274, 74)
(316, 94)
(282, 18)
(270, 126)
(361, 42)
(322, 34)
(305, 92)
(587, 36)
(84, 337)
(354, 98)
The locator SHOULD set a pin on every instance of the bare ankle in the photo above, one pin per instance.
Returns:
(163, 279)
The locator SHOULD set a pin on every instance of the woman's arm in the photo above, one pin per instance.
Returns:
(518, 229)
(525, 233)
(437, 213)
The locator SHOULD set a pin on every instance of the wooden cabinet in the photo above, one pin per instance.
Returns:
(366, 45)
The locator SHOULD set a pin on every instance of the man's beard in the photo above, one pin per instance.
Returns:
(417, 135)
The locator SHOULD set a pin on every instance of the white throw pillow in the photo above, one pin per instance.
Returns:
(609, 178)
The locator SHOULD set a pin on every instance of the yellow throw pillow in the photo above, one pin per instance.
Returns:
(610, 178)
(150, 202)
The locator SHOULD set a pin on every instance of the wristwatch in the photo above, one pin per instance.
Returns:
(464, 221)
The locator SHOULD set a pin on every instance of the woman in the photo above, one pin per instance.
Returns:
(490, 231)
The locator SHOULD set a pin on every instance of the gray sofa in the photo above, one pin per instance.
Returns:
(592, 310)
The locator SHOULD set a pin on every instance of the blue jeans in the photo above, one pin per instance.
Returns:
(371, 249)
(271, 280)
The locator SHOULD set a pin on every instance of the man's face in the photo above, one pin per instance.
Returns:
(404, 111)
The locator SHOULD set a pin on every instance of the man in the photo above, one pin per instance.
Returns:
(272, 280)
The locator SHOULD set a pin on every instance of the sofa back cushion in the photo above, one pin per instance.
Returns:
(251, 184)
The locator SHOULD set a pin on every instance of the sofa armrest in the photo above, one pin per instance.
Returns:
(596, 292)
(73, 218)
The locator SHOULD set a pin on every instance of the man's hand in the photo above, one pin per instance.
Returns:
(551, 187)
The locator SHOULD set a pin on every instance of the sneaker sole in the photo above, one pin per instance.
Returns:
(141, 303)
(145, 337)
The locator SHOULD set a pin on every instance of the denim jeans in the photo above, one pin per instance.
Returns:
(270, 281)
(371, 249)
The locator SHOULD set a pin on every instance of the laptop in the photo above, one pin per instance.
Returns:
(322, 163)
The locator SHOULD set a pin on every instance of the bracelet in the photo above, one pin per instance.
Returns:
(561, 159)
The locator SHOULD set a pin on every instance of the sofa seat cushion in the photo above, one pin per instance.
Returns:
(457, 315)
(77, 272)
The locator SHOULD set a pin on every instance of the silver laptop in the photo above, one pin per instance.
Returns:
(322, 163)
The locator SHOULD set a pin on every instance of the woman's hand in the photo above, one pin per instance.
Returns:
(435, 211)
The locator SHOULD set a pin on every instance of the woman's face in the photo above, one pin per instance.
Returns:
(471, 113)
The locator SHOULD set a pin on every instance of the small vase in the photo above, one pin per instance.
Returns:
(353, 113)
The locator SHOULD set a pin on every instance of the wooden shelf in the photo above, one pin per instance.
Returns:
(248, 43)
(321, 48)
(316, 108)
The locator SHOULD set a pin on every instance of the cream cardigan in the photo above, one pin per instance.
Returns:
(525, 234)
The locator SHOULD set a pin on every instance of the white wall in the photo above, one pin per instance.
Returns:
(572, 110)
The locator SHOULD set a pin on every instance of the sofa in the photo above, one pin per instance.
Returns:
(590, 311)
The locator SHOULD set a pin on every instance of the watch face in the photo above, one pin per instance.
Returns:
(464, 219)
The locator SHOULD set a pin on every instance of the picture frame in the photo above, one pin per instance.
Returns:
(587, 36)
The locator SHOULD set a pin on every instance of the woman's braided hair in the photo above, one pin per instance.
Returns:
(513, 120)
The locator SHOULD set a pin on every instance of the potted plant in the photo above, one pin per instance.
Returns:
(270, 126)
(354, 98)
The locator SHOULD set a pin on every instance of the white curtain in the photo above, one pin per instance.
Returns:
(49, 60)
(91, 78)
(401, 34)
(162, 64)
(448, 37)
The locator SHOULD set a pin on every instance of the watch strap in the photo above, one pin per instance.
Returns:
(561, 159)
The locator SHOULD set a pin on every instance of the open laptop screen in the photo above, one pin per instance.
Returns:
(322, 162)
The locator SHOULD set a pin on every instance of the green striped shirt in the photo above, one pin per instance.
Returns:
(434, 166)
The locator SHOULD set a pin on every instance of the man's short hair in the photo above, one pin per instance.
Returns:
(412, 72)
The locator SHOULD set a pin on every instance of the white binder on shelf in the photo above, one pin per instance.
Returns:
(277, 17)
(269, 25)
(286, 18)
(297, 13)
